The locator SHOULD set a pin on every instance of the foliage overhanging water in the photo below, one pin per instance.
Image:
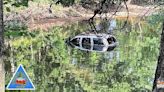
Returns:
(55, 67)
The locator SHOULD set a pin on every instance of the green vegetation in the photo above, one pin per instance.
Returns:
(55, 67)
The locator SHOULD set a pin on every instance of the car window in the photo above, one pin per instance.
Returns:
(110, 48)
(86, 43)
(98, 41)
(98, 47)
(76, 41)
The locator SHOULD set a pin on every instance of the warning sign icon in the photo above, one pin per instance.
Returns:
(20, 80)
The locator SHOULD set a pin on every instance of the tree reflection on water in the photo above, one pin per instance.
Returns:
(55, 67)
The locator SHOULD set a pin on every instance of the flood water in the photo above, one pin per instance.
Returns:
(55, 67)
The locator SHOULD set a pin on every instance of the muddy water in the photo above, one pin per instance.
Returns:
(55, 67)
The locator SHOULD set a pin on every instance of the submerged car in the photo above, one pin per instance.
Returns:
(93, 42)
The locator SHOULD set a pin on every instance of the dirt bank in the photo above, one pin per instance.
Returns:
(40, 18)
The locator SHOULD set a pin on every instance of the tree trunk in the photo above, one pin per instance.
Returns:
(159, 75)
(2, 70)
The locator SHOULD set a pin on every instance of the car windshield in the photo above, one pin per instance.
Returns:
(111, 40)
(86, 43)
(76, 41)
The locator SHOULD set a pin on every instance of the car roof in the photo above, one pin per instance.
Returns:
(93, 36)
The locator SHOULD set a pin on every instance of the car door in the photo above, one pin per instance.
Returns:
(86, 43)
(98, 44)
